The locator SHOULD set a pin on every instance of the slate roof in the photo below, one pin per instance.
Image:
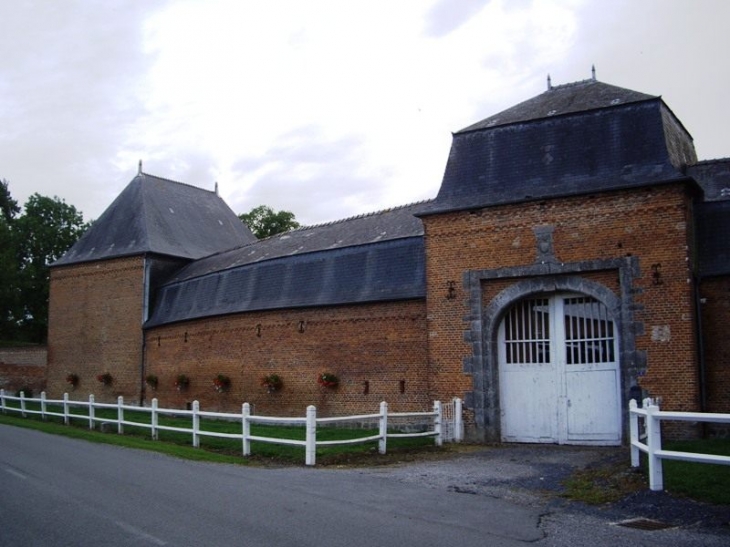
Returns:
(574, 139)
(713, 231)
(160, 216)
(714, 178)
(370, 258)
(563, 99)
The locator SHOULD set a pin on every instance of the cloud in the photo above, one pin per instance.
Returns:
(69, 89)
(325, 108)
(315, 177)
(448, 15)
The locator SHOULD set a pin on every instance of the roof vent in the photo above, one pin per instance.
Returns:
(615, 101)
(552, 113)
(492, 122)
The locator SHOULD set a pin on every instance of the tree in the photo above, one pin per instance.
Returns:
(8, 206)
(9, 279)
(28, 244)
(264, 222)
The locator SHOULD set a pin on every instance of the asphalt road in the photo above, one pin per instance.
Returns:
(60, 491)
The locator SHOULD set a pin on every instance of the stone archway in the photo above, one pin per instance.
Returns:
(484, 321)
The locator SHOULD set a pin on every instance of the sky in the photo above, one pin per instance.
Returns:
(325, 108)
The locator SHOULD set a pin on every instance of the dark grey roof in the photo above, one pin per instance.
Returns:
(563, 99)
(714, 178)
(395, 223)
(376, 257)
(713, 231)
(592, 145)
(160, 216)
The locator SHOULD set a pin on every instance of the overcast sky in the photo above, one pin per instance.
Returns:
(326, 108)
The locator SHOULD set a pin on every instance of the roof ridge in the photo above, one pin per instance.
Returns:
(363, 215)
(165, 179)
(574, 84)
(323, 224)
(710, 160)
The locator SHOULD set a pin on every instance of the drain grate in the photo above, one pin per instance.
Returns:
(644, 524)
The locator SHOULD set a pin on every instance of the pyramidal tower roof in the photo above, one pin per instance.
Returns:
(164, 217)
(578, 138)
(563, 99)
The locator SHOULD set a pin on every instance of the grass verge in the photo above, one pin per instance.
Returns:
(613, 480)
(224, 450)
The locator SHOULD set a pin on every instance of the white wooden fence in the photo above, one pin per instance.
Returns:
(652, 417)
(452, 426)
(310, 421)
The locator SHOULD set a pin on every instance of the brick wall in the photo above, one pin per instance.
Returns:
(382, 344)
(715, 320)
(95, 318)
(26, 355)
(23, 367)
(650, 224)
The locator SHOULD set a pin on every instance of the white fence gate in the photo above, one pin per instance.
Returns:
(452, 428)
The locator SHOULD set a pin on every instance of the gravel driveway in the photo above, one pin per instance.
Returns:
(533, 475)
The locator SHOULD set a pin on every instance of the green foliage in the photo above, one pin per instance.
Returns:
(8, 206)
(265, 222)
(9, 267)
(45, 230)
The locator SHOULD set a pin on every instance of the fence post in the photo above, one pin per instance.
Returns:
(654, 441)
(383, 442)
(196, 424)
(458, 420)
(437, 423)
(246, 429)
(65, 409)
(43, 406)
(2, 401)
(634, 433)
(91, 411)
(310, 457)
(153, 419)
(22, 404)
(120, 415)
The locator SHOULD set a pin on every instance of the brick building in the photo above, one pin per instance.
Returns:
(576, 255)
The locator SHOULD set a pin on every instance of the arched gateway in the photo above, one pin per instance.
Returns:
(559, 373)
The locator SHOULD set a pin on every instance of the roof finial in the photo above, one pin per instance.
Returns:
(216, 188)
(139, 170)
(593, 72)
(550, 83)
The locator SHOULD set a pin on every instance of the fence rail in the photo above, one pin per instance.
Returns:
(652, 434)
(246, 418)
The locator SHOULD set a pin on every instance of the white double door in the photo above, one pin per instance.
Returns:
(559, 375)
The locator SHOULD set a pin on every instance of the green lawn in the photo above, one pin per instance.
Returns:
(706, 482)
(211, 448)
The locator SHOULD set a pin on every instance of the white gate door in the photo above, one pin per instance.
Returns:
(559, 376)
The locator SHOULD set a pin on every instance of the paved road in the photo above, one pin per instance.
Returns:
(61, 491)
(533, 475)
